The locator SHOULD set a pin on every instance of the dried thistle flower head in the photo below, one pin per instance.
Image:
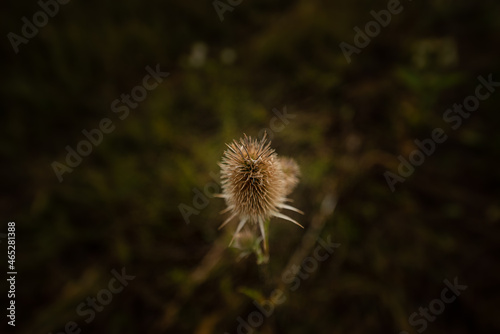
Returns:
(254, 184)
(247, 241)
(291, 172)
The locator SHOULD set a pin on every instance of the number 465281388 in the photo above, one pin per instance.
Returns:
(11, 249)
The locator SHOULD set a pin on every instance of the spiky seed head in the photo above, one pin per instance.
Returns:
(247, 238)
(291, 173)
(252, 179)
(254, 185)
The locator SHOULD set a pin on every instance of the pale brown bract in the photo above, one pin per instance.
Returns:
(255, 183)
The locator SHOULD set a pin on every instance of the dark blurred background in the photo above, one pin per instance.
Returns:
(119, 207)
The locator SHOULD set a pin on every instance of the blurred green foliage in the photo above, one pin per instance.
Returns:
(119, 207)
